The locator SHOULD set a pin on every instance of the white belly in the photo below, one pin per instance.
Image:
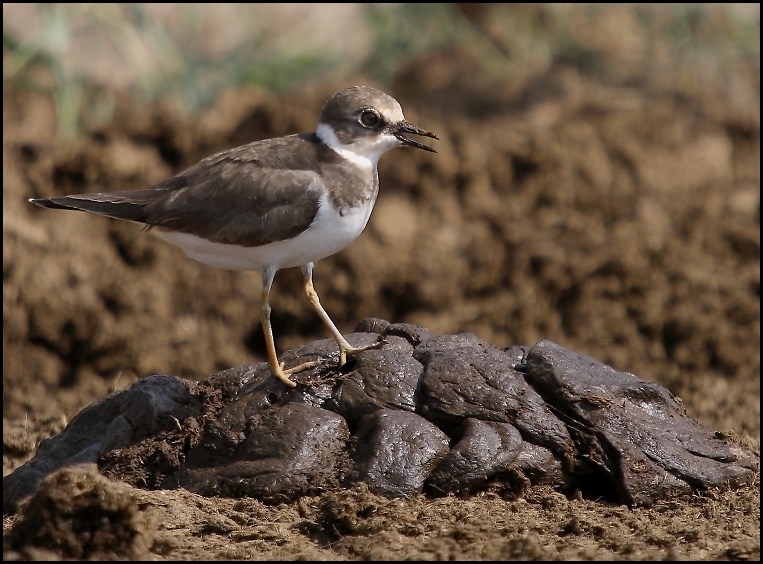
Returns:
(329, 233)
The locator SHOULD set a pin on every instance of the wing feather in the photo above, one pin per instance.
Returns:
(251, 195)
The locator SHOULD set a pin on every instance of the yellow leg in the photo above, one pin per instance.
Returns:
(345, 348)
(276, 367)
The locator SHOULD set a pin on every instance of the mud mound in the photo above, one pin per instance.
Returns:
(444, 415)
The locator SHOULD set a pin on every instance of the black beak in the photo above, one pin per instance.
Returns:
(399, 130)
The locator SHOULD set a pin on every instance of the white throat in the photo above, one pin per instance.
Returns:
(365, 152)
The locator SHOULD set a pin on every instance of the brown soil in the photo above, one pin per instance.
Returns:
(622, 222)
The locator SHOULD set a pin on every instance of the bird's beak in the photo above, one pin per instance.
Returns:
(399, 130)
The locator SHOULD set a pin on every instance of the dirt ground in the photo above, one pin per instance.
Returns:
(619, 220)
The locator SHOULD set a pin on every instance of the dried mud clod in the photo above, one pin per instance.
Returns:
(78, 513)
(433, 414)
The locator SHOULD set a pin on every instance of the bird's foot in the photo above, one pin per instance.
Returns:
(281, 373)
(346, 349)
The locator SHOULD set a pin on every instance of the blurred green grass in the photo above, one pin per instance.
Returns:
(80, 54)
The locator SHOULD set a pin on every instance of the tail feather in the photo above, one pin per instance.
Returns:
(125, 207)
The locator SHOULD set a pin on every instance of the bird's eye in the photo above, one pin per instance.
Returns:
(370, 118)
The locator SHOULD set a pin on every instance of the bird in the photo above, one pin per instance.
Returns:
(272, 204)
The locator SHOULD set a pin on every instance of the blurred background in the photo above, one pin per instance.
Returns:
(596, 184)
(188, 54)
